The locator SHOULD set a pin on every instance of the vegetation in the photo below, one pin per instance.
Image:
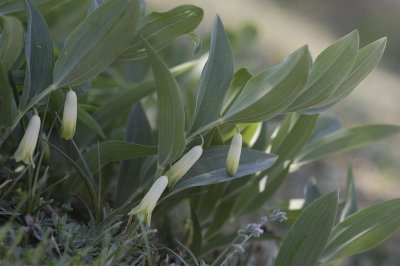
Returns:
(111, 157)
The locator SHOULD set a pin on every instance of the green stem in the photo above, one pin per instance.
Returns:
(21, 114)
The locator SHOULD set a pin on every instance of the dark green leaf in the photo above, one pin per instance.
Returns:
(12, 41)
(215, 79)
(311, 192)
(96, 42)
(115, 151)
(363, 230)
(39, 54)
(307, 237)
(171, 114)
(11, 6)
(197, 237)
(210, 168)
(90, 122)
(6, 100)
(160, 29)
(345, 140)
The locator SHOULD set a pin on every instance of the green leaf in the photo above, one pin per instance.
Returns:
(215, 78)
(311, 192)
(96, 42)
(11, 6)
(350, 205)
(210, 168)
(137, 131)
(90, 122)
(6, 100)
(330, 68)
(272, 91)
(307, 237)
(12, 41)
(197, 237)
(363, 230)
(111, 151)
(367, 58)
(39, 54)
(160, 29)
(345, 140)
(171, 114)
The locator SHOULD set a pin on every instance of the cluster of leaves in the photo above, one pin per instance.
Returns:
(116, 154)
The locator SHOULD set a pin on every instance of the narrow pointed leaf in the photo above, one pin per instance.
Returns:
(111, 151)
(350, 205)
(86, 119)
(346, 140)
(308, 235)
(160, 29)
(210, 168)
(215, 78)
(171, 115)
(96, 42)
(367, 58)
(39, 54)
(6, 100)
(272, 91)
(331, 67)
(12, 41)
(363, 230)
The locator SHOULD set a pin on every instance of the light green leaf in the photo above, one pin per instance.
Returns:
(363, 230)
(331, 67)
(110, 151)
(350, 205)
(171, 114)
(210, 168)
(160, 29)
(11, 41)
(307, 237)
(39, 54)
(272, 91)
(345, 140)
(367, 58)
(215, 78)
(96, 42)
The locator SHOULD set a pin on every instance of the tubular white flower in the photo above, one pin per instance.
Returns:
(145, 208)
(179, 169)
(28, 143)
(233, 158)
(68, 123)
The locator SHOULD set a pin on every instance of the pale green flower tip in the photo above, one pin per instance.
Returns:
(144, 210)
(28, 142)
(180, 168)
(233, 158)
(68, 123)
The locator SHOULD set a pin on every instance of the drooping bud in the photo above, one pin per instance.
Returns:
(145, 208)
(68, 123)
(233, 158)
(179, 169)
(28, 143)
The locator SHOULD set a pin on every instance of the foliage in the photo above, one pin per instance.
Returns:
(70, 205)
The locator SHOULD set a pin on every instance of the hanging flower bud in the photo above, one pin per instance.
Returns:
(28, 143)
(149, 201)
(179, 169)
(232, 161)
(68, 123)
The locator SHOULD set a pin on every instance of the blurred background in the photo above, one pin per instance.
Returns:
(263, 32)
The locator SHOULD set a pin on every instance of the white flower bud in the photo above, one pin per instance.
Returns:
(179, 169)
(68, 123)
(28, 143)
(233, 158)
(145, 208)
